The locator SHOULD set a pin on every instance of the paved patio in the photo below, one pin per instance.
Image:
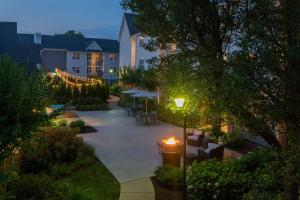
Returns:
(128, 150)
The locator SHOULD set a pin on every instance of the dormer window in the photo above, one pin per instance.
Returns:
(76, 56)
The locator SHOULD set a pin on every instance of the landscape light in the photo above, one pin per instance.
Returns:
(179, 102)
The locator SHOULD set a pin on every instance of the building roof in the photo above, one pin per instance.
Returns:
(22, 47)
(78, 44)
(130, 19)
(107, 45)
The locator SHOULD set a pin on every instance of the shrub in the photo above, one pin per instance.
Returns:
(169, 176)
(168, 116)
(35, 155)
(51, 146)
(87, 101)
(85, 157)
(235, 179)
(63, 144)
(115, 89)
(77, 124)
(58, 123)
(34, 187)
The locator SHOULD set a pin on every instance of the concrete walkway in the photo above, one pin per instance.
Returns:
(141, 189)
(128, 150)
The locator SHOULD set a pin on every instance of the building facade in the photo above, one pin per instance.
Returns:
(87, 57)
(132, 45)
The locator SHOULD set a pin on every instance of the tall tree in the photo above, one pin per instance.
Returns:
(247, 54)
(73, 34)
(22, 106)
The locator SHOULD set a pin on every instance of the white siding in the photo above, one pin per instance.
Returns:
(108, 64)
(142, 53)
(81, 63)
(125, 45)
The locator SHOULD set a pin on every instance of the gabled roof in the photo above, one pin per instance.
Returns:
(70, 44)
(93, 46)
(106, 45)
(130, 20)
(78, 44)
(63, 42)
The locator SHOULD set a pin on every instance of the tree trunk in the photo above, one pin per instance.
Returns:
(292, 25)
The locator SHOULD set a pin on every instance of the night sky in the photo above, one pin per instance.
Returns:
(94, 18)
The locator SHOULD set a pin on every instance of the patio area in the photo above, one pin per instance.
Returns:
(128, 150)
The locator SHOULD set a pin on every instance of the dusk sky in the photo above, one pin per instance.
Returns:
(94, 18)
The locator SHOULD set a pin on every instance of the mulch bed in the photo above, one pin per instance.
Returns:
(69, 114)
(88, 129)
(162, 193)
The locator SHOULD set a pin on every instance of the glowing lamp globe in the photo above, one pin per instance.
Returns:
(111, 70)
(179, 102)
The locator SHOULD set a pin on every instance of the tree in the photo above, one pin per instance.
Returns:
(146, 79)
(76, 92)
(22, 106)
(83, 91)
(247, 54)
(92, 91)
(74, 34)
(68, 93)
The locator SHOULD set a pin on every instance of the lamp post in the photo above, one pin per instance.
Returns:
(110, 72)
(179, 104)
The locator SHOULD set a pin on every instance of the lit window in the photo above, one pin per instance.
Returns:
(112, 56)
(76, 70)
(75, 56)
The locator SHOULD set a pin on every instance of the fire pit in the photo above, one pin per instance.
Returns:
(170, 149)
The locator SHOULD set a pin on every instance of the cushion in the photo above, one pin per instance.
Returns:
(197, 132)
(193, 137)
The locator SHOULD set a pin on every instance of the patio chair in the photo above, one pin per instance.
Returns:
(217, 153)
(195, 138)
(152, 118)
(143, 118)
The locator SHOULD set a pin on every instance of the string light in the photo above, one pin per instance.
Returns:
(65, 77)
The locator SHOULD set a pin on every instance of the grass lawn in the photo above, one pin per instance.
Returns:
(96, 182)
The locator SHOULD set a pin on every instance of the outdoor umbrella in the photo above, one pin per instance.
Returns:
(132, 91)
(147, 95)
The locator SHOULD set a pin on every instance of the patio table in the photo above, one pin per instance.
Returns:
(147, 118)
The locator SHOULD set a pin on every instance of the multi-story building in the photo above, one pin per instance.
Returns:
(132, 45)
(85, 57)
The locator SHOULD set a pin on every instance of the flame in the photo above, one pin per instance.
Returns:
(171, 141)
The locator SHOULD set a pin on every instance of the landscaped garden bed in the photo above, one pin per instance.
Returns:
(163, 193)
(55, 164)
(168, 183)
(84, 97)
(83, 128)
